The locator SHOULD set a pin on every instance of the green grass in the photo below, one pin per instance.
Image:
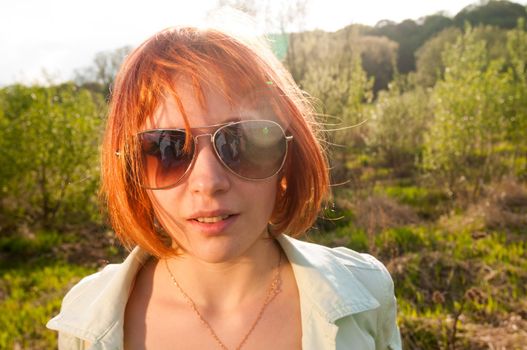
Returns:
(37, 246)
(34, 276)
(428, 203)
(348, 236)
(30, 295)
(439, 273)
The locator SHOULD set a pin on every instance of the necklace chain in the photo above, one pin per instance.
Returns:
(273, 291)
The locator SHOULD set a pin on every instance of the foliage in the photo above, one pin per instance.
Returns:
(517, 119)
(407, 35)
(455, 128)
(36, 269)
(429, 203)
(310, 49)
(342, 88)
(48, 167)
(400, 119)
(429, 63)
(378, 56)
(30, 296)
(21, 247)
(504, 14)
(99, 76)
(411, 35)
(344, 235)
(447, 280)
(470, 105)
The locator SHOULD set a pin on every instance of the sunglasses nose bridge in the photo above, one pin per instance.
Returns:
(211, 139)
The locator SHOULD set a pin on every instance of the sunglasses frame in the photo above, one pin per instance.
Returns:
(219, 127)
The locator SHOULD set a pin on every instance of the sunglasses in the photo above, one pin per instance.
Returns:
(250, 149)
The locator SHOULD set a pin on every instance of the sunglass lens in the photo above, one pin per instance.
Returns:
(165, 159)
(252, 149)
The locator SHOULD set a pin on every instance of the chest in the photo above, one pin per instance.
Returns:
(158, 321)
(155, 327)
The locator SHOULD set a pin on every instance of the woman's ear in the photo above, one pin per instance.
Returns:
(282, 183)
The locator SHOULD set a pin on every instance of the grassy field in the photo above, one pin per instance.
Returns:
(36, 269)
(460, 275)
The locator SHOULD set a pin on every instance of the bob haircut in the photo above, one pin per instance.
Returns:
(240, 68)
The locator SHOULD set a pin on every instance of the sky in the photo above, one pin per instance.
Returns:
(43, 40)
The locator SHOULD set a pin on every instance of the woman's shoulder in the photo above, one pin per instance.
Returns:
(93, 283)
(346, 287)
(84, 311)
(370, 271)
(346, 256)
(344, 263)
(109, 277)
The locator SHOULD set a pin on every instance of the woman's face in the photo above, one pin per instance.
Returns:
(211, 213)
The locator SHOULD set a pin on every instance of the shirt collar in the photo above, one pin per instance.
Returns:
(98, 312)
(322, 277)
(325, 279)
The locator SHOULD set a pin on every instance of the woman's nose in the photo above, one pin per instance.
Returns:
(207, 176)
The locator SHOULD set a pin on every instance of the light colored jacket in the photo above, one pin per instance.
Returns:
(346, 301)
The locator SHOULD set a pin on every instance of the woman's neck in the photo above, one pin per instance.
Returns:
(226, 285)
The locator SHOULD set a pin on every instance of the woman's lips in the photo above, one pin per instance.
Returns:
(213, 219)
(213, 225)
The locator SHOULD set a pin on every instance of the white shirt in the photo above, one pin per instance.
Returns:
(346, 301)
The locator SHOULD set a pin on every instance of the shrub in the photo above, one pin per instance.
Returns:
(49, 160)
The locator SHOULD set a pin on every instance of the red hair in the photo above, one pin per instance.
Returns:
(147, 77)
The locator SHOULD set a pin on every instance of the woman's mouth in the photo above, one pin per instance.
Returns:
(213, 225)
(212, 219)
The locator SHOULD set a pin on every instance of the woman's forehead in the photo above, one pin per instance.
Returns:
(209, 104)
(211, 108)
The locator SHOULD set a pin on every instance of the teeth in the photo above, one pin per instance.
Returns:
(212, 219)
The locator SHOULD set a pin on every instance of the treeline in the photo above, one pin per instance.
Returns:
(411, 35)
(391, 48)
(456, 122)
(441, 100)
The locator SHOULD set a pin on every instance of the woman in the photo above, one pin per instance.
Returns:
(211, 164)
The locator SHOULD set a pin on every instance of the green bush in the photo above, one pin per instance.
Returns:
(49, 138)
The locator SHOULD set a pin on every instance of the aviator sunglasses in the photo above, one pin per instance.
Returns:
(250, 149)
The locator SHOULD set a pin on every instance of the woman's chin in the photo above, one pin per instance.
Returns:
(216, 251)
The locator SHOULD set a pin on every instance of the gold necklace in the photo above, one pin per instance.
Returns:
(274, 289)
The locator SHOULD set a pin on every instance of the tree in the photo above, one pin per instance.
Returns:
(460, 146)
(342, 89)
(378, 54)
(517, 118)
(50, 151)
(280, 21)
(429, 64)
(503, 14)
(304, 49)
(410, 35)
(101, 74)
(379, 60)
(400, 119)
